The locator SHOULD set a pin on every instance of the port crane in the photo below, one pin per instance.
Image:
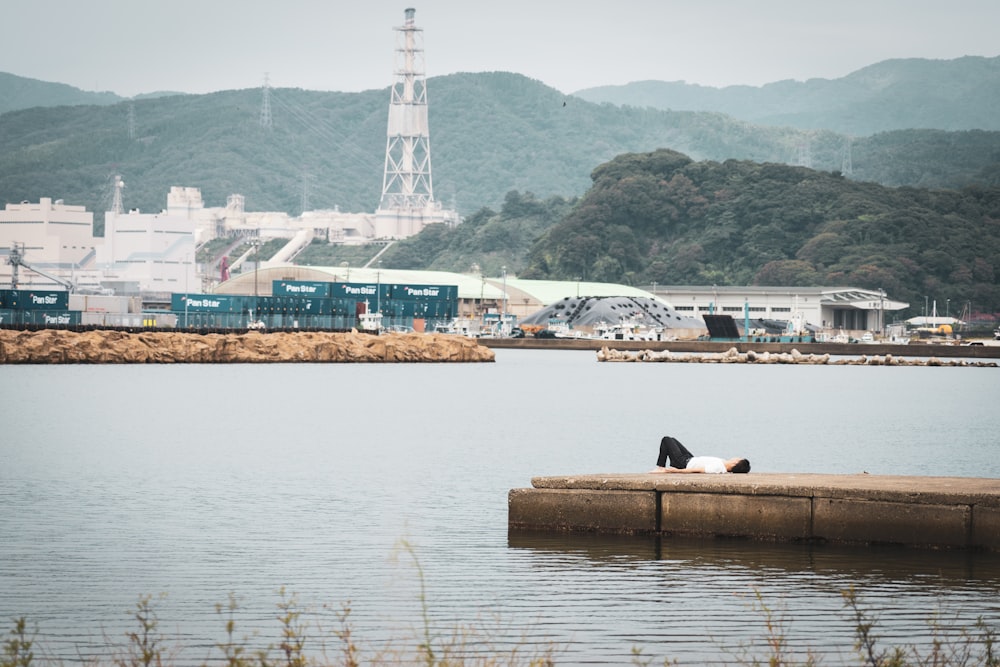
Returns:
(16, 260)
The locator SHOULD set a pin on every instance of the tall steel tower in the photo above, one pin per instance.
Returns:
(406, 184)
(847, 164)
(131, 120)
(265, 105)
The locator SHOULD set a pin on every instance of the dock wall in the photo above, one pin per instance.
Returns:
(935, 512)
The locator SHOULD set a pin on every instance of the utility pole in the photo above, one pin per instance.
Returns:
(256, 264)
(255, 242)
(503, 307)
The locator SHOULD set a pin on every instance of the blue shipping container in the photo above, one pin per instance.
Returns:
(30, 299)
(300, 288)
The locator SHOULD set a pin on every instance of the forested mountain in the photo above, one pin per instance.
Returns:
(18, 92)
(960, 94)
(490, 134)
(901, 94)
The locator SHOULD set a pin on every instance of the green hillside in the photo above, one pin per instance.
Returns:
(490, 134)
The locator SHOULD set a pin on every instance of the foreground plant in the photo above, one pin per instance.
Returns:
(967, 647)
(145, 647)
(17, 650)
(475, 645)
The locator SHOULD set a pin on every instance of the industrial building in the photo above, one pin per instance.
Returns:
(848, 309)
(48, 244)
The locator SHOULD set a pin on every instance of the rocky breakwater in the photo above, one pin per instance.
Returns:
(56, 346)
(734, 356)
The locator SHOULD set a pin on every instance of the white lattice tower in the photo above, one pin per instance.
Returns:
(406, 183)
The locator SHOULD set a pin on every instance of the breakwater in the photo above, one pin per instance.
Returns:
(57, 346)
(734, 356)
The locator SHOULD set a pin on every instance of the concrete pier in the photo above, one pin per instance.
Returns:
(929, 512)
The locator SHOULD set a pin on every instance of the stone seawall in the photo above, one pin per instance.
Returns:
(935, 512)
(56, 346)
(734, 356)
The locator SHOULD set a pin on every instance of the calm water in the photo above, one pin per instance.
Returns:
(202, 481)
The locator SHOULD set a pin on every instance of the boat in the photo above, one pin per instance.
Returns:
(370, 320)
(628, 328)
(460, 326)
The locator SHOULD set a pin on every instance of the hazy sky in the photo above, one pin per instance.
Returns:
(198, 46)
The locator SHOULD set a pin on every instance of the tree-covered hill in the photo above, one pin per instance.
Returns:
(18, 92)
(959, 94)
(490, 134)
(663, 217)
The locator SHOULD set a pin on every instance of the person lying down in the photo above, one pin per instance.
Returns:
(681, 460)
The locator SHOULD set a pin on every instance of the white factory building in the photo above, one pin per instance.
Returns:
(155, 252)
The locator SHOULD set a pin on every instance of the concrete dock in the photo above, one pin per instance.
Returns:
(927, 512)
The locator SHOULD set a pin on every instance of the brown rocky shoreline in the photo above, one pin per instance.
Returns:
(58, 346)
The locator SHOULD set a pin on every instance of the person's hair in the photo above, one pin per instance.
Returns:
(743, 465)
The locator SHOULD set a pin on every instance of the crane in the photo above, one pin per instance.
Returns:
(16, 260)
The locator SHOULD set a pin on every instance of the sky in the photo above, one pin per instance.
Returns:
(132, 47)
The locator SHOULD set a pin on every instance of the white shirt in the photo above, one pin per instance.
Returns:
(711, 464)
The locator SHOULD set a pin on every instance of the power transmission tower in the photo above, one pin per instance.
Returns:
(847, 165)
(406, 183)
(131, 121)
(265, 105)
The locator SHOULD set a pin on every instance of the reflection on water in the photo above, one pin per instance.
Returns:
(875, 563)
(694, 599)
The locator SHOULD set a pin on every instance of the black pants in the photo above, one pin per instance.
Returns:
(677, 453)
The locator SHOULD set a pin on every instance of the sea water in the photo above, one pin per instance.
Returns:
(384, 487)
